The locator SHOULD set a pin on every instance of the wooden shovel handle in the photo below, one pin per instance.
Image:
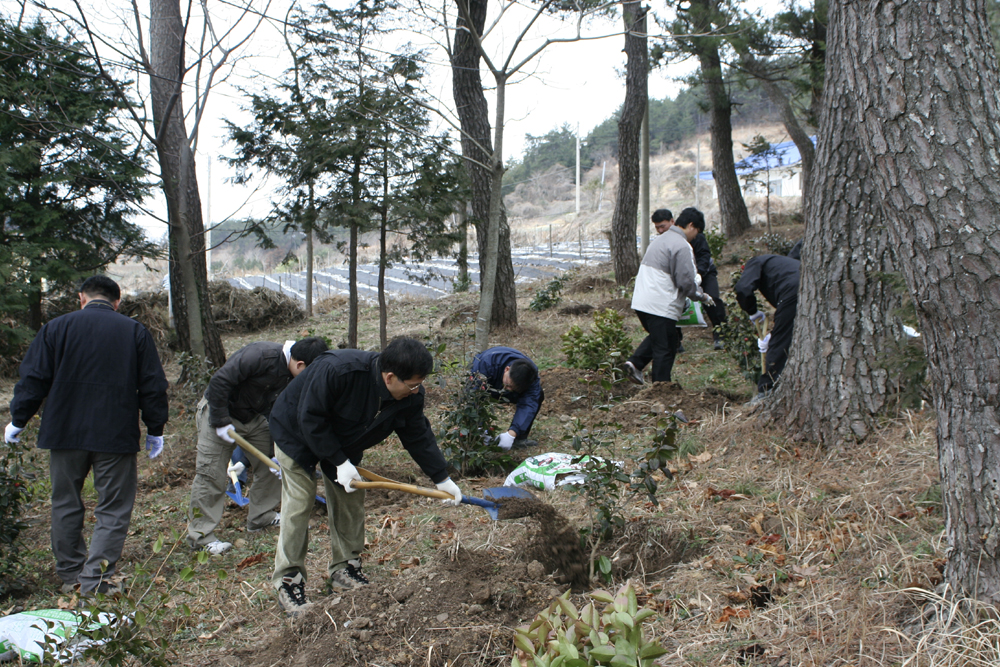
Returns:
(250, 449)
(399, 486)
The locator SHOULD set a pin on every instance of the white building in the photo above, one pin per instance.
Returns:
(780, 170)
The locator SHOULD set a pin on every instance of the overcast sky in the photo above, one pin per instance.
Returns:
(579, 84)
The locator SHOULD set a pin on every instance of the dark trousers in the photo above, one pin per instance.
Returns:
(781, 340)
(716, 312)
(660, 345)
(115, 480)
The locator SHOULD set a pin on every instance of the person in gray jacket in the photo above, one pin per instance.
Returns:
(667, 277)
(240, 396)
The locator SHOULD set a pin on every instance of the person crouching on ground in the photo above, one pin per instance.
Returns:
(239, 397)
(512, 378)
(345, 402)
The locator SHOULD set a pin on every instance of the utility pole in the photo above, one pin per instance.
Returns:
(208, 220)
(578, 170)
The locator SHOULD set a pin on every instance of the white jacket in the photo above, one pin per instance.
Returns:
(667, 276)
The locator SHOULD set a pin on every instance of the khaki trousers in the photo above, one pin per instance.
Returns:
(208, 490)
(345, 513)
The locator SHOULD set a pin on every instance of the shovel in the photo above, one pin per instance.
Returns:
(250, 449)
(491, 507)
(238, 496)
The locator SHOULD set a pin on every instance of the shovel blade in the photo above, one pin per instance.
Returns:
(238, 497)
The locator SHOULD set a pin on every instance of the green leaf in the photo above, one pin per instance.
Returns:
(603, 653)
(602, 596)
(158, 545)
(222, 574)
(643, 615)
(522, 642)
(651, 651)
(604, 564)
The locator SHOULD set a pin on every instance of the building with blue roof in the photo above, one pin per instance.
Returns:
(782, 171)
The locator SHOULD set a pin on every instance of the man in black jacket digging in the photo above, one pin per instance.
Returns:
(99, 371)
(345, 402)
(777, 278)
(239, 397)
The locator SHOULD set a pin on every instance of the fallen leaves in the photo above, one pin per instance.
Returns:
(250, 561)
(728, 613)
(725, 494)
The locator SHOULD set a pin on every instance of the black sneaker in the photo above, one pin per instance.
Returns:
(524, 443)
(680, 348)
(292, 595)
(347, 579)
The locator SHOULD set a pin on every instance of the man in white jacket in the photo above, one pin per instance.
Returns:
(667, 276)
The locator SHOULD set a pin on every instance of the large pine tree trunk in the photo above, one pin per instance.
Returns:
(833, 386)
(193, 321)
(477, 149)
(623, 220)
(924, 77)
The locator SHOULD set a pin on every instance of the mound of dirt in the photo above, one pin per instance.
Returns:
(576, 309)
(651, 401)
(456, 605)
(464, 315)
(623, 306)
(587, 284)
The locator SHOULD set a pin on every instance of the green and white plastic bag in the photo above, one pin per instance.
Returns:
(23, 636)
(547, 471)
(692, 315)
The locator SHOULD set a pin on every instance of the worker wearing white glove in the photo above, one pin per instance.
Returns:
(762, 343)
(757, 317)
(505, 441)
(223, 432)
(10, 433)
(276, 470)
(707, 299)
(449, 486)
(235, 469)
(346, 473)
(154, 445)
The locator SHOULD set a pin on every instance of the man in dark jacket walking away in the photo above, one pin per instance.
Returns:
(239, 397)
(100, 371)
(777, 278)
(513, 378)
(345, 402)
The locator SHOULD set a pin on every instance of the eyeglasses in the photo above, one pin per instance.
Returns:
(412, 387)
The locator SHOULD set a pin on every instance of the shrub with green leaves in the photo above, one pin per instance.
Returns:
(549, 296)
(13, 495)
(468, 429)
(716, 242)
(740, 336)
(564, 636)
(775, 243)
(607, 341)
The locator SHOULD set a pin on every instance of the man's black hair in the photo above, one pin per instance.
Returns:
(662, 214)
(523, 374)
(689, 216)
(101, 287)
(308, 349)
(406, 358)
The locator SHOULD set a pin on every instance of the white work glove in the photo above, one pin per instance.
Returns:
(236, 468)
(10, 433)
(762, 343)
(223, 432)
(154, 445)
(346, 473)
(276, 470)
(707, 299)
(757, 317)
(450, 487)
(505, 441)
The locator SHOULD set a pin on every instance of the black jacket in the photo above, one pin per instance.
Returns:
(776, 276)
(703, 256)
(339, 406)
(247, 384)
(99, 369)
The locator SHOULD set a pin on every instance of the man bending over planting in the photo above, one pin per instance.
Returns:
(345, 402)
(512, 378)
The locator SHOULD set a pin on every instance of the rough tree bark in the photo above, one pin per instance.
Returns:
(477, 149)
(833, 387)
(193, 321)
(924, 77)
(623, 220)
(732, 209)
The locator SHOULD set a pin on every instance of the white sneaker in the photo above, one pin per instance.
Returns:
(217, 548)
(633, 373)
(276, 521)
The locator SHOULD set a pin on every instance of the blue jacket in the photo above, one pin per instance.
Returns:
(99, 370)
(491, 364)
